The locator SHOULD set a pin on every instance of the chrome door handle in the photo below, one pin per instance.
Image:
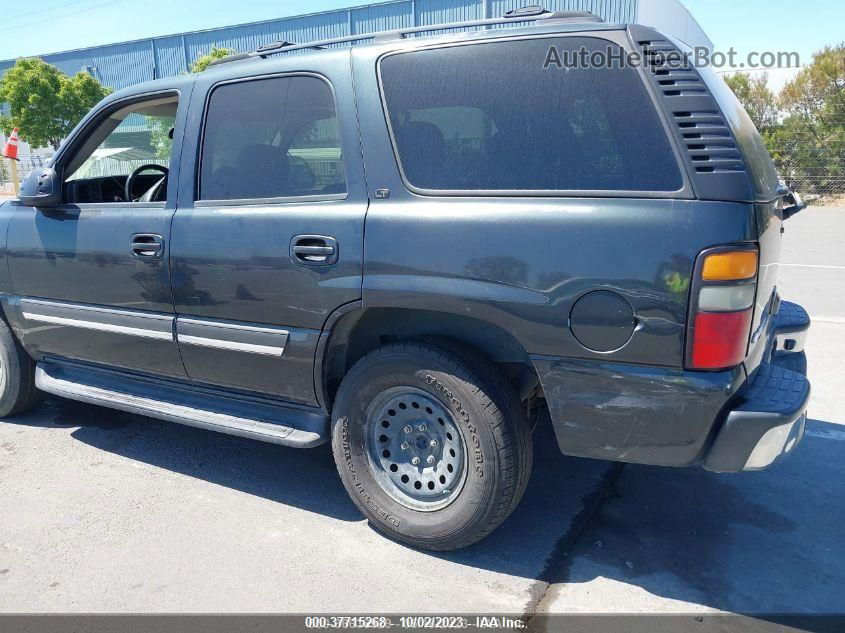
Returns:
(147, 245)
(314, 250)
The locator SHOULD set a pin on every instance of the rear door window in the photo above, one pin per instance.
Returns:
(490, 117)
(271, 138)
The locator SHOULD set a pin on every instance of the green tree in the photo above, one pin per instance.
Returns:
(757, 99)
(44, 103)
(160, 135)
(811, 141)
(817, 94)
(216, 52)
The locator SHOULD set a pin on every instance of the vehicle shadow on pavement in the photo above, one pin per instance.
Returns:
(307, 479)
(757, 542)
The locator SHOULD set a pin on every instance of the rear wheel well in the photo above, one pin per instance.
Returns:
(362, 331)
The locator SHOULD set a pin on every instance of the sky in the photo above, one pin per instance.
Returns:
(58, 25)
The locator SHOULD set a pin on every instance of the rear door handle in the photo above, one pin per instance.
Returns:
(147, 245)
(314, 250)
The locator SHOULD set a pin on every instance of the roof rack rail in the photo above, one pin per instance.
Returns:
(532, 13)
(272, 47)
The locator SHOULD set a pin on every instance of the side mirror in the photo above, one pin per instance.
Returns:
(42, 188)
(792, 204)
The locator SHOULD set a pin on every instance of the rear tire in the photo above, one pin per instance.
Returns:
(431, 444)
(17, 376)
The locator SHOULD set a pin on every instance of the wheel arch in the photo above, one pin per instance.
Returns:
(354, 331)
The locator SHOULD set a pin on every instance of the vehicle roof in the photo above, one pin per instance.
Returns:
(280, 61)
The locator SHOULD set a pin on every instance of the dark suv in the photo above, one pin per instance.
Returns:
(419, 248)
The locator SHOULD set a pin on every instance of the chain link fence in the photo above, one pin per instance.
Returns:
(808, 147)
(811, 166)
(27, 163)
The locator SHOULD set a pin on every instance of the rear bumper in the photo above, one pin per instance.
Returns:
(673, 417)
(766, 426)
(769, 421)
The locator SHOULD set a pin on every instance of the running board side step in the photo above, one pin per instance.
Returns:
(203, 408)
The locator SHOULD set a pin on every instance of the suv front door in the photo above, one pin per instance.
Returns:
(90, 277)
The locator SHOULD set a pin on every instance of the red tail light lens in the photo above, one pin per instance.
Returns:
(722, 311)
(720, 339)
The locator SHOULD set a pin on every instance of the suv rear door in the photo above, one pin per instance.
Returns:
(268, 239)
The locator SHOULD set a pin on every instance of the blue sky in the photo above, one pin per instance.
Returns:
(56, 25)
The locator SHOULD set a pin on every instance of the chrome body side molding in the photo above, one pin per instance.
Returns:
(267, 341)
(115, 321)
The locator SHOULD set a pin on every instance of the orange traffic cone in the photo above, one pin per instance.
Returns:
(10, 150)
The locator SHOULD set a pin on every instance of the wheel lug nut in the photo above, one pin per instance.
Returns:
(404, 446)
(422, 428)
(430, 459)
(408, 429)
(433, 443)
(415, 461)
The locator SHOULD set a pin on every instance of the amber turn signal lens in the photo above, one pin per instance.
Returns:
(730, 266)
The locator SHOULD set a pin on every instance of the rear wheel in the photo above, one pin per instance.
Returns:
(431, 444)
(17, 376)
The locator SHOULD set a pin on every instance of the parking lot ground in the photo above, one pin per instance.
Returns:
(107, 512)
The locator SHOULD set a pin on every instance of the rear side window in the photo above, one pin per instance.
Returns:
(271, 138)
(490, 117)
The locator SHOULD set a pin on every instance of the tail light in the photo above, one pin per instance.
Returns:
(722, 307)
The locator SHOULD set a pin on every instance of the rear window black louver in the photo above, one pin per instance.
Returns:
(704, 136)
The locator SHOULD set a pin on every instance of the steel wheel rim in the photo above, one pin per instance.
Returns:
(415, 449)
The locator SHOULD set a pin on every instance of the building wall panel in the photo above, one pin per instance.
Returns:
(169, 56)
(120, 65)
(382, 17)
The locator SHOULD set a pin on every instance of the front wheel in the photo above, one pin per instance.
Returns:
(18, 393)
(431, 444)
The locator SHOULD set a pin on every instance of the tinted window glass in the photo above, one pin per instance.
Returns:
(490, 117)
(271, 138)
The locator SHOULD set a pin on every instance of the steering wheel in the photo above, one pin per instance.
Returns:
(130, 180)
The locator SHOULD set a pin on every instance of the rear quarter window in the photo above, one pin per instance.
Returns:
(490, 117)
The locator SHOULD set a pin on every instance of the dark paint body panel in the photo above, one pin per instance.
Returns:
(644, 250)
(768, 217)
